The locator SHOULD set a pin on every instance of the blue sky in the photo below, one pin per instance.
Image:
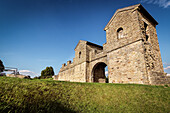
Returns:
(39, 33)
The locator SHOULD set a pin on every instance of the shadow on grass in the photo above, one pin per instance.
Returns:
(38, 107)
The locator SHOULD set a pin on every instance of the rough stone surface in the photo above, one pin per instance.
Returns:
(131, 52)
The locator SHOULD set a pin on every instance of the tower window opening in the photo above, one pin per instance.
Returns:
(95, 51)
(120, 33)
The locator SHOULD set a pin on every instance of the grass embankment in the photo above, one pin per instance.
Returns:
(22, 95)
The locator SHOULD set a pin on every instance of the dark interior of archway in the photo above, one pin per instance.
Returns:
(99, 72)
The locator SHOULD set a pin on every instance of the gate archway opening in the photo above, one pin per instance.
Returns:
(100, 73)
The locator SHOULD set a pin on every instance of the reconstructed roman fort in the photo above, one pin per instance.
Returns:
(131, 52)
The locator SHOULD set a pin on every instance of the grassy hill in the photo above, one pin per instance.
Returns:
(48, 96)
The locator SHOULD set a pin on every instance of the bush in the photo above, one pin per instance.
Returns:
(47, 73)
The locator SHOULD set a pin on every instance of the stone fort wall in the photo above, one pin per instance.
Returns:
(131, 52)
(77, 71)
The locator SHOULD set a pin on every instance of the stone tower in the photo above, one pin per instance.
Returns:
(131, 52)
(132, 45)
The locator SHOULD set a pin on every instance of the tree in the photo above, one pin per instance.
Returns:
(48, 72)
(1, 66)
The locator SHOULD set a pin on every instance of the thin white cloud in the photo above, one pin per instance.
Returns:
(168, 75)
(106, 72)
(168, 67)
(161, 3)
(28, 72)
(167, 4)
(165, 63)
(24, 71)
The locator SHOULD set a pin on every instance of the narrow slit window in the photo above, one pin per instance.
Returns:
(147, 37)
(145, 26)
(146, 31)
(80, 54)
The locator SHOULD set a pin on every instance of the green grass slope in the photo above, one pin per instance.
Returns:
(48, 96)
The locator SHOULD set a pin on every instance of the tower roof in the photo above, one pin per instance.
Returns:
(140, 9)
(88, 43)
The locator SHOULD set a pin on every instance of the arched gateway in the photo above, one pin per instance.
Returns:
(130, 55)
(98, 73)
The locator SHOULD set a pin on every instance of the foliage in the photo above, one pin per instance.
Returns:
(48, 72)
(1, 66)
(48, 96)
(36, 77)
